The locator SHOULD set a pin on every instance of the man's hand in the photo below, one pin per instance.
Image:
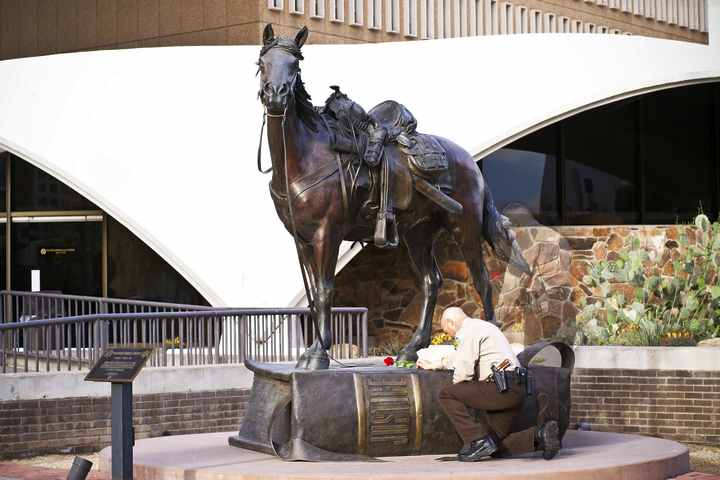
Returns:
(422, 365)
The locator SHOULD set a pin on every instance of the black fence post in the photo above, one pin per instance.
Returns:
(122, 431)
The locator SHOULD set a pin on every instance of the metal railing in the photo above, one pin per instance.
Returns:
(18, 306)
(201, 337)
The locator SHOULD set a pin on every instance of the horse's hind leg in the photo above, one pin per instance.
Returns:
(419, 243)
(468, 232)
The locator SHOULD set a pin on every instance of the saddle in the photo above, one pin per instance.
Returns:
(415, 161)
(426, 157)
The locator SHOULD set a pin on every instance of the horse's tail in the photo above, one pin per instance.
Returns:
(500, 237)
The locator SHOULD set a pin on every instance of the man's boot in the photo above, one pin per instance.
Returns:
(479, 449)
(547, 439)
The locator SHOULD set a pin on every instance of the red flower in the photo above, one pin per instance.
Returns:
(495, 275)
(389, 361)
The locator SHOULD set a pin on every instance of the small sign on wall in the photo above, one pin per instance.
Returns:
(56, 251)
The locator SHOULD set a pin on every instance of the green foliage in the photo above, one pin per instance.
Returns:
(390, 347)
(668, 306)
(405, 364)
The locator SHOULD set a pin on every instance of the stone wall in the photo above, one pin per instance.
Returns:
(543, 305)
(382, 281)
(82, 424)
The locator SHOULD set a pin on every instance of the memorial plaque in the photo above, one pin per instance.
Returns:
(120, 364)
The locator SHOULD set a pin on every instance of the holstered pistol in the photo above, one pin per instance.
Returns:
(499, 379)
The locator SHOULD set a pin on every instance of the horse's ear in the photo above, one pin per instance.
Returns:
(301, 37)
(268, 34)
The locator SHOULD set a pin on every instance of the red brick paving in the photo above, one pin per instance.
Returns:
(14, 471)
(697, 476)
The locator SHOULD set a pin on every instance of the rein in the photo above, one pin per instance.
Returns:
(259, 155)
(291, 211)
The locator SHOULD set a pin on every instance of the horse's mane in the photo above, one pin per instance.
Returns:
(305, 109)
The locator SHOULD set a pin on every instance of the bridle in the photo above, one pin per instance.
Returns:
(262, 128)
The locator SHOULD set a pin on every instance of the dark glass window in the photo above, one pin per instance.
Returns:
(678, 150)
(35, 190)
(600, 167)
(522, 177)
(67, 254)
(135, 271)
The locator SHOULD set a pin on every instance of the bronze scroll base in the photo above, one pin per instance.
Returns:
(365, 411)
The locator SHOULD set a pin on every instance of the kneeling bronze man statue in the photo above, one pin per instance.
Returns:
(489, 378)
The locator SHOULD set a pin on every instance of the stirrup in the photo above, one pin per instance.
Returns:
(380, 239)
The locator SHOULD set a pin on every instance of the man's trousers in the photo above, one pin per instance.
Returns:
(496, 412)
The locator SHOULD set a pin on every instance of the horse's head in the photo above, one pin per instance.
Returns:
(279, 67)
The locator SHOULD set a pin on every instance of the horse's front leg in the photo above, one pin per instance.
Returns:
(321, 257)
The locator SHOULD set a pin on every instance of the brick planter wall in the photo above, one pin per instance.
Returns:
(82, 424)
(678, 405)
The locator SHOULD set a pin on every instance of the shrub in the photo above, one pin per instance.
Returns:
(664, 294)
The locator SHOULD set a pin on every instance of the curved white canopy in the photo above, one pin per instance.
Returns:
(164, 139)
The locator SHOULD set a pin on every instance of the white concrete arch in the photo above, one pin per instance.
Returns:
(164, 139)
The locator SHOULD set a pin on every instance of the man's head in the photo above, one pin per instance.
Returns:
(452, 320)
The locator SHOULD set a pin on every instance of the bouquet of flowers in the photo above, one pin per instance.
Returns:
(440, 354)
(443, 338)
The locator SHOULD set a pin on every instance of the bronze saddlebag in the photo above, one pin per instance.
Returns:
(425, 154)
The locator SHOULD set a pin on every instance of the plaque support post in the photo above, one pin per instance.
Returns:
(122, 431)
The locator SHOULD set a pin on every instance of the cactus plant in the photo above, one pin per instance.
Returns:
(675, 291)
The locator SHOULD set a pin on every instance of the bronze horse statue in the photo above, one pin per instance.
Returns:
(310, 183)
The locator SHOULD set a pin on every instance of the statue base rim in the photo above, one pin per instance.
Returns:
(586, 455)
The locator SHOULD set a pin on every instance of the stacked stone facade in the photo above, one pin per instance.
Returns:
(543, 305)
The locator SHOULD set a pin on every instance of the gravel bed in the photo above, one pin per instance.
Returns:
(62, 462)
(704, 459)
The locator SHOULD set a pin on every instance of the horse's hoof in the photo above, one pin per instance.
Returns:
(313, 360)
(407, 356)
(302, 363)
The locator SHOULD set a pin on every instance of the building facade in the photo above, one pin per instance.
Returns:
(41, 27)
(163, 214)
